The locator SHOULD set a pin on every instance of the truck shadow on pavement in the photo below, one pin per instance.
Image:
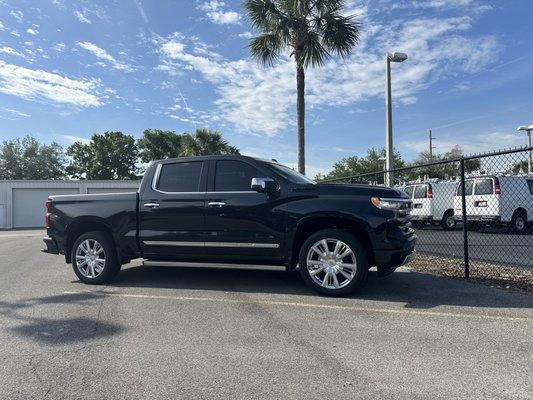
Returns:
(28, 321)
(414, 289)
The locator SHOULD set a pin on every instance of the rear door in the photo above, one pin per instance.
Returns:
(172, 210)
(421, 202)
(241, 224)
(457, 200)
(484, 201)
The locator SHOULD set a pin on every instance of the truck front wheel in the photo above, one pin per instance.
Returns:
(333, 262)
(94, 258)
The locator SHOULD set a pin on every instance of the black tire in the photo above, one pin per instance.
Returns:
(418, 224)
(519, 222)
(448, 222)
(359, 253)
(111, 266)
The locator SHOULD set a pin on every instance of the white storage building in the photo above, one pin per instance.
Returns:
(22, 202)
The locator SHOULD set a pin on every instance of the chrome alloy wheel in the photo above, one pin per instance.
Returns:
(331, 263)
(90, 258)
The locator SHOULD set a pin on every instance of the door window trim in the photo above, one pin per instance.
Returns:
(213, 171)
(157, 174)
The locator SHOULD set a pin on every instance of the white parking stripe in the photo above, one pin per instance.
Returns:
(320, 306)
(11, 235)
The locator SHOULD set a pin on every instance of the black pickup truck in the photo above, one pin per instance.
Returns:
(235, 210)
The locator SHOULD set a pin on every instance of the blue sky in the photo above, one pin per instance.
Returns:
(69, 69)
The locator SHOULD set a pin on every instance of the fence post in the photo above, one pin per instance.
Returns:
(465, 227)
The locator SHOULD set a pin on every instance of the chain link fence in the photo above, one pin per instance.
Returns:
(473, 215)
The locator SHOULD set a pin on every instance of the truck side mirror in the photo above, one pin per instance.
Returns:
(264, 185)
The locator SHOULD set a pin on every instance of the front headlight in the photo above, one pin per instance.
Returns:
(397, 204)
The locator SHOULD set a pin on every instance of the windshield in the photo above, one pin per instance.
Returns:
(290, 174)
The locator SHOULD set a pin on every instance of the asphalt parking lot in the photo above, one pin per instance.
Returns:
(199, 333)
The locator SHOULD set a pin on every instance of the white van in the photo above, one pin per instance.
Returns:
(432, 203)
(494, 200)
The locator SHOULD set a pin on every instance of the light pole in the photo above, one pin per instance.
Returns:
(391, 57)
(528, 129)
(384, 159)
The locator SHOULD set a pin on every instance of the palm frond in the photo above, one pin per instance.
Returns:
(266, 48)
(339, 33)
(264, 14)
(314, 53)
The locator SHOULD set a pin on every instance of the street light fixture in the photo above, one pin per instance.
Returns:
(391, 57)
(528, 129)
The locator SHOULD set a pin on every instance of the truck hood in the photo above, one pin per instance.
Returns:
(329, 189)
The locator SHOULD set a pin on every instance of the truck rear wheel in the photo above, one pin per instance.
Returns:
(448, 221)
(519, 222)
(94, 258)
(333, 262)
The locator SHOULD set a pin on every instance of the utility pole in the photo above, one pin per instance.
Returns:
(431, 147)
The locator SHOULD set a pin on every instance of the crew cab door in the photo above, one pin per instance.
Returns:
(241, 224)
(172, 210)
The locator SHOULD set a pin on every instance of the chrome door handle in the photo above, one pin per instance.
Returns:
(151, 205)
(216, 204)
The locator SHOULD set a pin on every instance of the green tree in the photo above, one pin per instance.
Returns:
(311, 30)
(521, 166)
(373, 162)
(157, 144)
(441, 171)
(110, 155)
(205, 142)
(26, 158)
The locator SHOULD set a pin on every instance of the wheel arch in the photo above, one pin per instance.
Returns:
(314, 223)
(82, 225)
(520, 210)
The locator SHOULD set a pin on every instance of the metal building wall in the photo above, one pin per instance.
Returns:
(7, 188)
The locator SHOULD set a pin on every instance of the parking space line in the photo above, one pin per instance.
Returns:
(318, 306)
(12, 235)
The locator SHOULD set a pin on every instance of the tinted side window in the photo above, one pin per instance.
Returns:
(483, 186)
(530, 184)
(234, 176)
(420, 192)
(180, 177)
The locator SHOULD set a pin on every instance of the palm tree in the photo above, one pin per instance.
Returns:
(312, 30)
(205, 142)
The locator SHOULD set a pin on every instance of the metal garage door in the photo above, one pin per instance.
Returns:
(28, 205)
(110, 190)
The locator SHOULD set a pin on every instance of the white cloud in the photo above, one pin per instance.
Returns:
(470, 5)
(67, 140)
(1, 26)
(262, 100)
(214, 10)
(41, 85)
(18, 15)
(32, 31)
(81, 17)
(141, 10)
(15, 112)
(10, 51)
(103, 55)
(59, 47)
(245, 35)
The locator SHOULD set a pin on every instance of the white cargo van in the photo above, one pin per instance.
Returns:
(494, 200)
(432, 203)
